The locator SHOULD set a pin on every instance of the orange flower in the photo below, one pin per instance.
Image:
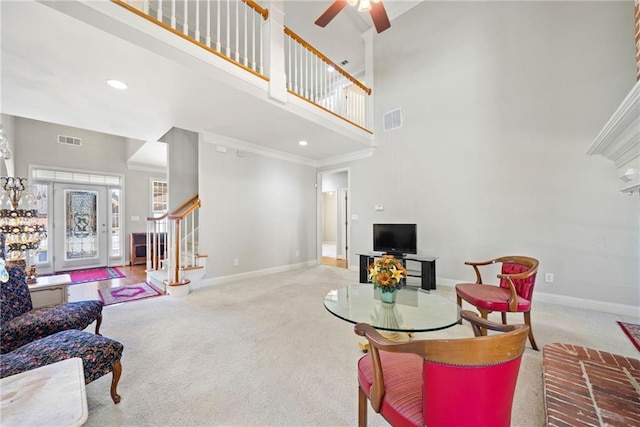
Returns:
(384, 278)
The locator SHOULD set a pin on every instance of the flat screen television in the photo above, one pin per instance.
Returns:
(395, 239)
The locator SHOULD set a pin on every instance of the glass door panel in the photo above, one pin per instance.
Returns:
(80, 229)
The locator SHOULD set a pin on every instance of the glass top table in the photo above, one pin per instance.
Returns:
(415, 310)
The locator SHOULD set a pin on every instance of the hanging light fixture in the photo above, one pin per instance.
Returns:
(21, 226)
(5, 152)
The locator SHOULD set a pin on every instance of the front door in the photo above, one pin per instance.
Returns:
(80, 229)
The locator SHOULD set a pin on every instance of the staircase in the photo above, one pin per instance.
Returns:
(173, 261)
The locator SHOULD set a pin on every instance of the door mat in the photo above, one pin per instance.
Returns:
(633, 332)
(94, 274)
(128, 293)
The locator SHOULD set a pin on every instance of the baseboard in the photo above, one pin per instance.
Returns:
(258, 273)
(567, 301)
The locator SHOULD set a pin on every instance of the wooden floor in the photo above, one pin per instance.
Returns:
(89, 290)
(334, 262)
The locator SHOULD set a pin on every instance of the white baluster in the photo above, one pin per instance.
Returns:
(145, 6)
(306, 73)
(159, 11)
(253, 42)
(173, 14)
(289, 86)
(185, 26)
(197, 33)
(246, 34)
(227, 49)
(295, 68)
(208, 38)
(218, 44)
(261, 47)
(237, 55)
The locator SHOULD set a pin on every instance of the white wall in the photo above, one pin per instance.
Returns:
(36, 144)
(182, 156)
(256, 209)
(500, 102)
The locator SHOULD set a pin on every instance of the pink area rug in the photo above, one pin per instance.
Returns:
(128, 293)
(633, 332)
(94, 274)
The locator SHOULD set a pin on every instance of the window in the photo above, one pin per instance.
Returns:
(159, 199)
(115, 222)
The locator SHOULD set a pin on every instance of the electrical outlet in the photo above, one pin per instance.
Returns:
(548, 277)
(236, 262)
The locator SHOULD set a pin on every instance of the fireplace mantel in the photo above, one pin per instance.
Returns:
(619, 140)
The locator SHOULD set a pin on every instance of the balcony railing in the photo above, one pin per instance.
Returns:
(235, 30)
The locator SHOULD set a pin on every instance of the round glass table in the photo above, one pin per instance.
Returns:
(415, 309)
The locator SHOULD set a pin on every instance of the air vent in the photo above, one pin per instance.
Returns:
(69, 140)
(392, 120)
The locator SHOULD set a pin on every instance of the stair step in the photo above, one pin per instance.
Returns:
(191, 267)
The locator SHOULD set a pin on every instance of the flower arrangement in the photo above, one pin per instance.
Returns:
(387, 273)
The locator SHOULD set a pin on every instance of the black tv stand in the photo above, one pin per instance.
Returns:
(427, 273)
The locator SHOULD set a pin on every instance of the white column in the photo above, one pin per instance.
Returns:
(368, 79)
(274, 38)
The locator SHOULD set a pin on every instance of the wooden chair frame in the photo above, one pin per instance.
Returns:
(478, 351)
(532, 263)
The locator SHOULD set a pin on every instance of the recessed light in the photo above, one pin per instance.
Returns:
(117, 84)
(303, 143)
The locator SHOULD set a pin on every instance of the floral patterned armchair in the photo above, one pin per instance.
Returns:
(20, 324)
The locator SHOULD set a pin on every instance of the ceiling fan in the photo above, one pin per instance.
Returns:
(375, 8)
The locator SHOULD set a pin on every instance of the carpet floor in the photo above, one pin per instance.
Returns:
(265, 352)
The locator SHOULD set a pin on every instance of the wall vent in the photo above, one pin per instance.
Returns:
(69, 140)
(392, 120)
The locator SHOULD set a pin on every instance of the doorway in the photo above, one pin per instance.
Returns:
(333, 225)
(80, 226)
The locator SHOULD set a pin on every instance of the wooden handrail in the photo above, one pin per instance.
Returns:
(180, 216)
(187, 38)
(319, 54)
(255, 6)
(175, 214)
(329, 111)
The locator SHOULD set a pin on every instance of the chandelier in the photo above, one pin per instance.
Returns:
(5, 152)
(20, 223)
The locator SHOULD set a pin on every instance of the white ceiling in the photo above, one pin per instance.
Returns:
(54, 68)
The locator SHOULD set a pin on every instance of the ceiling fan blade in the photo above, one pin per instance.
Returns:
(379, 17)
(331, 13)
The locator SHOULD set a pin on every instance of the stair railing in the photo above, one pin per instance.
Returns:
(173, 242)
(236, 30)
(317, 79)
(231, 29)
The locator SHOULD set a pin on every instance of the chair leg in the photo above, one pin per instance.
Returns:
(504, 318)
(362, 408)
(117, 370)
(527, 321)
(98, 323)
(484, 314)
(459, 299)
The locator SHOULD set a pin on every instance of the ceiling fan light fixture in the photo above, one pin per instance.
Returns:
(364, 6)
(352, 2)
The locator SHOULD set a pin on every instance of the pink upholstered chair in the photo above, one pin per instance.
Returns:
(442, 382)
(514, 294)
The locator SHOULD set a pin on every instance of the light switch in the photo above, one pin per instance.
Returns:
(135, 218)
(354, 217)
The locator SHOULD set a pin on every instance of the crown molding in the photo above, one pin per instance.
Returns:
(145, 167)
(619, 140)
(358, 155)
